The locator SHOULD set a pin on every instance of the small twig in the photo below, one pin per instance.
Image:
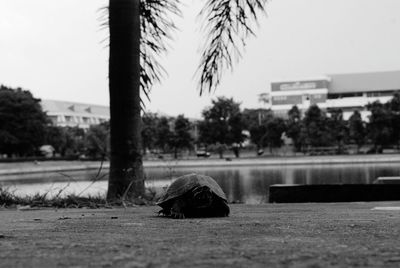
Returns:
(93, 182)
(97, 177)
(123, 197)
(68, 176)
(100, 168)
(67, 185)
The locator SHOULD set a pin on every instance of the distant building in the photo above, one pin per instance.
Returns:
(348, 92)
(73, 114)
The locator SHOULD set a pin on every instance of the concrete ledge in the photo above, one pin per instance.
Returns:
(388, 180)
(281, 193)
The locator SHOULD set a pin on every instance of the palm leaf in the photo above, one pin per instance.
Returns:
(156, 26)
(156, 30)
(227, 23)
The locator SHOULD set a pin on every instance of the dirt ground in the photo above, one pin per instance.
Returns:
(269, 235)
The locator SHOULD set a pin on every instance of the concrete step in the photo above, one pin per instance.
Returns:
(387, 180)
(296, 193)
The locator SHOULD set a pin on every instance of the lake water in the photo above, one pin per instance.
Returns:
(241, 184)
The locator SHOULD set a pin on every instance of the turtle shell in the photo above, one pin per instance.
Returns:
(186, 183)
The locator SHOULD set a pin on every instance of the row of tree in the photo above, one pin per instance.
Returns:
(24, 127)
(224, 125)
(319, 129)
(22, 122)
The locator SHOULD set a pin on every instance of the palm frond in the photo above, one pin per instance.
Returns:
(227, 24)
(157, 25)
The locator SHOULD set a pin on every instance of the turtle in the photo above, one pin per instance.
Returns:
(194, 195)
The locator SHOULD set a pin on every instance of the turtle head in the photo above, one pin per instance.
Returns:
(202, 196)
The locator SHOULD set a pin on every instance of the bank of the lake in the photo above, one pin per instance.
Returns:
(60, 166)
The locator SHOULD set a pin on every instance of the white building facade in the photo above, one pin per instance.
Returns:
(73, 114)
(348, 92)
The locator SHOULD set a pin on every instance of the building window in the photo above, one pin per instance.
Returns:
(333, 96)
(53, 119)
(280, 98)
(373, 94)
(69, 119)
(380, 94)
(344, 95)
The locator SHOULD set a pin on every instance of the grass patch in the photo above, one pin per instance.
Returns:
(10, 200)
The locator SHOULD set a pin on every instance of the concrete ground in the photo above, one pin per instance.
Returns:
(269, 235)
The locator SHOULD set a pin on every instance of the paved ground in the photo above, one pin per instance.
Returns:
(270, 235)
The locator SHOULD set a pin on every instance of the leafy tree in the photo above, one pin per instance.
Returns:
(236, 127)
(255, 121)
(205, 137)
(313, 129)
(164, 134)
(256, 117)
(379, 126)
(68, 141)
(269, 133)
(149, 131)
(294, 127)
(22, 122)
(97, 140)
(219, 148)
(357, 131)
(337, 129)
(394, 106)
(75, 141)
(257, 134)
(137, 31)
(56, 137)
(222, 124)
(181, 137)
(275, 127)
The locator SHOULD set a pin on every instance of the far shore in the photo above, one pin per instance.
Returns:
(59, 166)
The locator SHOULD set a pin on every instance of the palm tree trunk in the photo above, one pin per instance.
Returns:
(126, 168)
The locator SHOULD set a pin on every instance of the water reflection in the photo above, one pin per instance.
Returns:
(241, 184)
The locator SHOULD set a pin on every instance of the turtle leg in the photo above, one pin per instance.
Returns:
(177, 209)
(219, 208)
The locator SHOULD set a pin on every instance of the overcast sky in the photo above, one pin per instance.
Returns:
(53, 48)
